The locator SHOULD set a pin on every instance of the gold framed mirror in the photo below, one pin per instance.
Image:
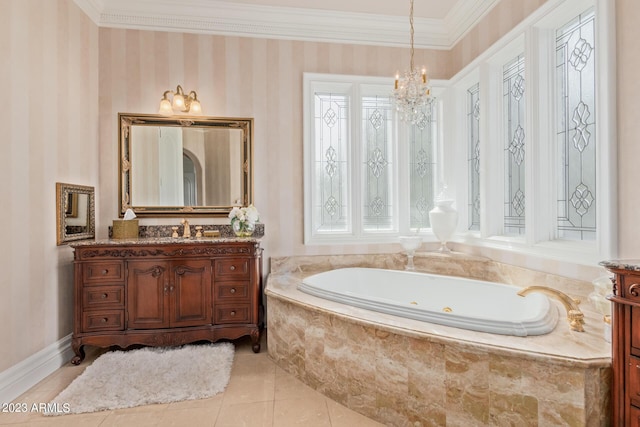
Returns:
(75, 213)
(184, 165)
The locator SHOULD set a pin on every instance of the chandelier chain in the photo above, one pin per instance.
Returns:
(411, 32)
(411, 93)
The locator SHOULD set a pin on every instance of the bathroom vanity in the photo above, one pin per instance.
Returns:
(165, 292)
(625, 339)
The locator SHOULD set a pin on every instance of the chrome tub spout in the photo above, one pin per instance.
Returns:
(574, 315)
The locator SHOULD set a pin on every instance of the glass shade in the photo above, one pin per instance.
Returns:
(165, 108)
(178, 102)
(195, 108)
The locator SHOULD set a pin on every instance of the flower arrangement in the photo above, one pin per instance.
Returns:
(243, 220)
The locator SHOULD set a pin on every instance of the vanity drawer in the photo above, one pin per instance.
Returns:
(231, 291)
(236, 313)
(630, 287)
(106, 320)
(101, 272)
(235, 268)
(634, 330)
(634, 417)
(634, 380)
(97, 297)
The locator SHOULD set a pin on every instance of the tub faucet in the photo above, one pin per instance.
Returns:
(574, 315)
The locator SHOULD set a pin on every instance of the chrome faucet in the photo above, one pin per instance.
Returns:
(187, 230)
(574, 315)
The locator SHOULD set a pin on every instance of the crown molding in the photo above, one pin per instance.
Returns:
(225, 17)
(92, 8)
(464, 15)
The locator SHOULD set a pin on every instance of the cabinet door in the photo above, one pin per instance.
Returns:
(190, 292)
(147, 295)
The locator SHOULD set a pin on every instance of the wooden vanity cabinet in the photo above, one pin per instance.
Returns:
(625, 340)
(165, 294)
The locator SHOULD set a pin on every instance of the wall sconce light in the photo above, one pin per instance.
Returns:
(180, 103)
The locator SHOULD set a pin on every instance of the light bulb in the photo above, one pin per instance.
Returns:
(165, 107)
(195, 108)
(178, 102)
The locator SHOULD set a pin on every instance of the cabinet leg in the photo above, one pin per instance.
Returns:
(255, 340)
(78, 349)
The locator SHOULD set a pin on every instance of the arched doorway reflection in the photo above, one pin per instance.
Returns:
(192, 179)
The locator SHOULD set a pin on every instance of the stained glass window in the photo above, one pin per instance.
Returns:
(514, 148)
(358, 155)
(576, 133)
(331, 153)
(422, 164)
(378, 163)
(473, 123)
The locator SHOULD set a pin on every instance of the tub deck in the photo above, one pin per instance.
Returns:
(402, 371)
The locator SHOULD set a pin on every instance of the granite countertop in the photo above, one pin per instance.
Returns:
(164, 240)
(626, 264)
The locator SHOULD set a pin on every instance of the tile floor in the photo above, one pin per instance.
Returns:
(259, 394)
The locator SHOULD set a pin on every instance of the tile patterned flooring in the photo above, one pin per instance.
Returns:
(259, 394)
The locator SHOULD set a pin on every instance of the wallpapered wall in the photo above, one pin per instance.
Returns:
(499, 21)
(87, 75)
(241, 77)
(49, 74)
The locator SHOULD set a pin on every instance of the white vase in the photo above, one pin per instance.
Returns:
(444, 220)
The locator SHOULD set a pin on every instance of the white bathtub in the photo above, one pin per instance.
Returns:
(462, 303)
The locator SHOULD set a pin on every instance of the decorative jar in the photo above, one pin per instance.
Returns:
(444, 220)
(243, 228)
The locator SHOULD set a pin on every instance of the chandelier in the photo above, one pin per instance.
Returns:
(412, 93)
(180, 103)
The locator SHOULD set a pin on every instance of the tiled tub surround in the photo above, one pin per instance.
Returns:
(405, 372)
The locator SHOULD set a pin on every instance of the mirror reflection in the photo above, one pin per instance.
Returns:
(75, 212)
(175, 166)
(184, 165)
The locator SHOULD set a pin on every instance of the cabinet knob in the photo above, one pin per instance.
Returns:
(166, 289)
(232, 268)
(105, 271)
(104, 296)
(171, 288)
(105, 320)
(232, 291)
(233, 313)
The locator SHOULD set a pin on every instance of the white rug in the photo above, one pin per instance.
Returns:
(124, 379)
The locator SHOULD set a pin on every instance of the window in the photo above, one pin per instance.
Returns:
(537, 143)
(513, 100)
(575, 122)
(331, 201)
(422, 166)
(378, 164)
(473, 155)
(358, 157)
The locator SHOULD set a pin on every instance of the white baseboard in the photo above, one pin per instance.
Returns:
(21, 377)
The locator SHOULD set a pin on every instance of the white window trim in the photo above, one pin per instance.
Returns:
(538, 240)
